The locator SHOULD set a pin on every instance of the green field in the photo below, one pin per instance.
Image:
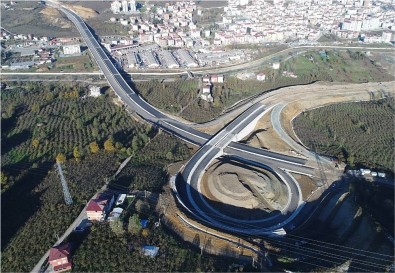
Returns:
(358, 133)
(75, 64)
(337, 66)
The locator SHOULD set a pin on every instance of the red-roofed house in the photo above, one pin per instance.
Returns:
(98, 207)
(59, 257)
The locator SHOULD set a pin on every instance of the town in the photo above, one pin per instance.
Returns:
(169, 35)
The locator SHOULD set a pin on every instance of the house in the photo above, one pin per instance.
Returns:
(276, 65)
(98, 207)
(59, 257)
(94, 91)
(365, 171)
(206, 89)
(261, 77)
(206, 79)
(215, 79)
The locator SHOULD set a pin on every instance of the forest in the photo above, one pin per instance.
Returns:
(105, 251)
(360, 134)
(42, 122)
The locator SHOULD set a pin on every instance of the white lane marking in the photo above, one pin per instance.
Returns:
(282, 160)
(189, 133)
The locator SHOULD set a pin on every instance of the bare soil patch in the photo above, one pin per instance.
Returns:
(306, 183)
(265, 137)
(243, 187)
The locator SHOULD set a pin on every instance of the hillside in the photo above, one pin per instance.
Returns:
(358, 133)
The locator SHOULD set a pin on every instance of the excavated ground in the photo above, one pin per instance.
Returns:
(243, 191)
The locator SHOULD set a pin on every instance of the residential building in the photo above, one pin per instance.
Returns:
(59, 257)
(94, 91)
(261, 77)
(206, 93)
(98, 207)
(116, 6)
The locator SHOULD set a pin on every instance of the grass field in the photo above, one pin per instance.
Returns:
(75, 64)
(358, 133)
(337, 66)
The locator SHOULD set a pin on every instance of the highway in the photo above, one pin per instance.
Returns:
(197, 204)
(188, 193)
(136, 103)
(211, 148)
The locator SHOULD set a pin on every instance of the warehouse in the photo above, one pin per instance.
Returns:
(169, 59)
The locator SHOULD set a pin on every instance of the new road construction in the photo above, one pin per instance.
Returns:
(188, 190)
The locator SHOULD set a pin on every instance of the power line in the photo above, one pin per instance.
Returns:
(325, 254)
(297, 251)
(331, 248)
(369, 252)
(66, 193)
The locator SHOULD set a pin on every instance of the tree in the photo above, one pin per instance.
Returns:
(169, 155)
(117, 227)
(35, 108)
(4, 179)
(142, 207)
(145, 232)
(61, 158)
(108, 145)
(76, 154)
(35, 143)
(94, 147)
(134, 225)
(137, 143)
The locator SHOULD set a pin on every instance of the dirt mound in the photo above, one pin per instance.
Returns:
(244, 186)
(84, 12)
(53, 17)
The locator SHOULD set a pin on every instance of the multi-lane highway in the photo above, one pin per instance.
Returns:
(194, 202)
(211, 147)
(150, 113)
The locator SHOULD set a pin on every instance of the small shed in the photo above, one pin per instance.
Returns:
(144, 223)
(151, 251)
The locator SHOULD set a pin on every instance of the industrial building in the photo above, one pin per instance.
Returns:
(169, 59)
(71, 49)
(185, 58)
(149, 59)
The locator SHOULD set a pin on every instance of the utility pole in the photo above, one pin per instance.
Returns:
(66, 193)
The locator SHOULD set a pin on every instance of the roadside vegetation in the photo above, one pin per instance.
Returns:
(358, 133)
(91, 136)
